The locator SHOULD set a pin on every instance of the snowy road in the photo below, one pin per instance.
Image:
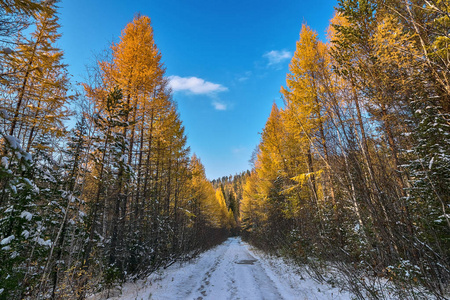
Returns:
(230, 271)
(233, 274)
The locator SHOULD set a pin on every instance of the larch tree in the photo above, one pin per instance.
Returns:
(117, 197)
(361, 149)
(138, 199)
(34, 107)
(38, 87)
(303, 110)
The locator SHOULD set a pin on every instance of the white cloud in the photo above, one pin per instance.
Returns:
(238, 150)
(219, 106)
(245, 77)
(276, 57)
(194, 85)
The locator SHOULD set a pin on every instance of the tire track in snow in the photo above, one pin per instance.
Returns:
(235, 274)
(230, 271)
(209, 285)
(205, 281)
(195, 286)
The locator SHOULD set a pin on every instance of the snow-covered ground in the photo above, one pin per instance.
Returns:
(231, 270)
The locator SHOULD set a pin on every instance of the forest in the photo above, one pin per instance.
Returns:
(354, 168)
(352, 172)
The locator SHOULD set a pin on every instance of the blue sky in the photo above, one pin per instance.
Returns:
(226, 60)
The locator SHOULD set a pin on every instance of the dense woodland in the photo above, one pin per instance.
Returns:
(353, 172)
(113, 198)
(354, 169)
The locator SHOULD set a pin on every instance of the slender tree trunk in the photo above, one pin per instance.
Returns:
(312, 183)
(93, 217)
(24, 84)
(386, 222)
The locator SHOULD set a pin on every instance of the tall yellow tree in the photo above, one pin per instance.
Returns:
(303, 107)
(36, 95)
(155, 148)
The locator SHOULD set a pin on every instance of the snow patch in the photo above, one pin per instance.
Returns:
(4, 113)
(25, 234)
(7, 240)
(5, 162)
(26, 215)
(431, 163)
(220, 274)
(14, 143)
(46, 243)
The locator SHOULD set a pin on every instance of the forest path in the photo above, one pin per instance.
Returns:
(230, 271)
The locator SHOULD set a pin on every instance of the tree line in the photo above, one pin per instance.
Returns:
(353, 172)
(115, 197)
(354, 169)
